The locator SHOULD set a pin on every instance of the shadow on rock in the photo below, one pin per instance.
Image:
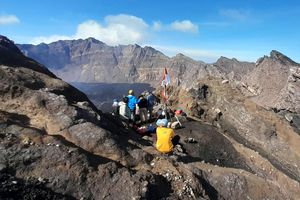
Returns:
(14, 118)
(16, 188)
(94, 160)
(211, 146)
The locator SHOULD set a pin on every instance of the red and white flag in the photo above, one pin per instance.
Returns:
(166, 78)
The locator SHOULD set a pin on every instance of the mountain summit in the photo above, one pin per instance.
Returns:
(54, 143)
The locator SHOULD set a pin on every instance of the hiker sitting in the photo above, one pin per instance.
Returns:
(132, 101)
(115, 107)
(159, 114)
(166, 138)
(162, 114)
(124, 109)
(142, 104)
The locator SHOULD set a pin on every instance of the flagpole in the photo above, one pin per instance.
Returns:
(166, 82)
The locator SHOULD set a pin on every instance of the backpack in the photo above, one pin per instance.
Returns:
(151, 100)
(125, 99)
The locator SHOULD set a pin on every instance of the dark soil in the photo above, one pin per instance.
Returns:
(15, 188)
(209, 146)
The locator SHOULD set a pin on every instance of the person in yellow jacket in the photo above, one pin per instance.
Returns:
(164, 136)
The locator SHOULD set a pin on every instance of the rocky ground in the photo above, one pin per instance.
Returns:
(55, 144)
(237, 133)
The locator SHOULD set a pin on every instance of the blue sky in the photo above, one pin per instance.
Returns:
(203, 30)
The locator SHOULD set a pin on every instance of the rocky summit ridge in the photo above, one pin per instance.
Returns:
(55, 144)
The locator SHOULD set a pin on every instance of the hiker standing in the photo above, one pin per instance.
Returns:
(115, 107)
(124, 109)
(132, 101)
(142, 104)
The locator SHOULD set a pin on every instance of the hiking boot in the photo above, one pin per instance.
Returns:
(178, 148)
(190, 140)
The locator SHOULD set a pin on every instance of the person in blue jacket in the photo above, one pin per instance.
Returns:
(132, 101)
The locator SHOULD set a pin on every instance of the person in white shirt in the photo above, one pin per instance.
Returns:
(124, 110)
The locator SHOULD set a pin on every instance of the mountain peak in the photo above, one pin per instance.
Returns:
(93, 40)
(276, 55)
(180, 55)
(8, 45)
(223, 59)
(11, 55)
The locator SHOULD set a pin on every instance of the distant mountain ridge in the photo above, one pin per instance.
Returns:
(92, 61)
(272, 81)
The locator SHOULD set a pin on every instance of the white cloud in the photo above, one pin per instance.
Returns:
(119, 29)
(235, 14)
(157, 26)
(184, 26)
(49, 39)
(116, 29)
(8, 19)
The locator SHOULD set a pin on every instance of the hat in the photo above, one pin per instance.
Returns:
(178, 112)
(130, 92)
(162, 122)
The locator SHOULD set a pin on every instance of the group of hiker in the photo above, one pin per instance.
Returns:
(130, 108)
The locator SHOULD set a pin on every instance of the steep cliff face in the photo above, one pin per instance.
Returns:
(275, 82)
(92, 61)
